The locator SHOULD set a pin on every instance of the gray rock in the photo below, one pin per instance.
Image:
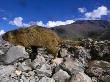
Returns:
(40, 60)
(105, 78)
(24, 79)
(6, 70)
(15, 53)
(46, 79)
(1, 52)
(45, 70)
(5, 79)
(26, 74)
(29, 77)
(82, 55)
(94, 79)
(100, 50)
(81, 77)
(72, 66)
(63, 52)
(61, 76)
(24, 67)
(98, 68)
(41, 51)
(32, 79)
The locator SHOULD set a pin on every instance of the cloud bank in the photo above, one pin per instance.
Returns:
(18, 21)
(52, 23)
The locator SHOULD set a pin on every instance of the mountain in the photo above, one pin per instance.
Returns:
(83, 29)
(105, 35)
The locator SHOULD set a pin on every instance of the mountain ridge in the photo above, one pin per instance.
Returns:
(83, 29)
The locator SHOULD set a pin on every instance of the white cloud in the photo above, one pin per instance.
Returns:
(52, 23)
(2, 32)
(39, 23)
(4, 18)
(58, 23)
(18, 21)
(97, 13)
(82, 10)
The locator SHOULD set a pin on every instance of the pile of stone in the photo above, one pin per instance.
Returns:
(76, 64)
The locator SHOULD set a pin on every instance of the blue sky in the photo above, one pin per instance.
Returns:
(50, 13)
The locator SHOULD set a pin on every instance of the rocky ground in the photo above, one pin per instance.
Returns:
(89, 62)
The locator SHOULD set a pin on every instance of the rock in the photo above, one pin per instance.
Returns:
(16, 81)
(21, 80)
(94, 79)
(82, 55)
(31, 73)
(32, 79)
(41, 51)
(96, 71)
(81, 77)
(1, 52)
(99, 69)
(6, 70)
(57, 61)
(100, 50)
(61, 76)
(87, 43)
(63, 52)
(73, 66)
(17, 72)
(24, 67)
(29, 77)
(24, 79)
(46, 79)
(15, 53)
(5, 79)
(40, 60)
(105, 78)
(45, 70)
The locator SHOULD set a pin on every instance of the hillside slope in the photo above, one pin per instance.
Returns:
(83, 29)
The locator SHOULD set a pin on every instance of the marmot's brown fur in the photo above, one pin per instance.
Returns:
(34, 36)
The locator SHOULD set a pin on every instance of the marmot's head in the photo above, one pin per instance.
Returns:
(10, 37)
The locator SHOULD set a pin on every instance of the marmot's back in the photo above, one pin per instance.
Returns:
(33, 36)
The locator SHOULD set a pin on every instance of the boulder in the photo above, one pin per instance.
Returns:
(40, 60)
(82, 54)
(24, 67)
(99, 69)
(61, 76)
(81, 77)
(73, 66)
(44, 70)
(46, 79)
(63, 52)
(6, 70)
(14, 53)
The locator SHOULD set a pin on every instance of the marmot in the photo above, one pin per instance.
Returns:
(34, 36)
